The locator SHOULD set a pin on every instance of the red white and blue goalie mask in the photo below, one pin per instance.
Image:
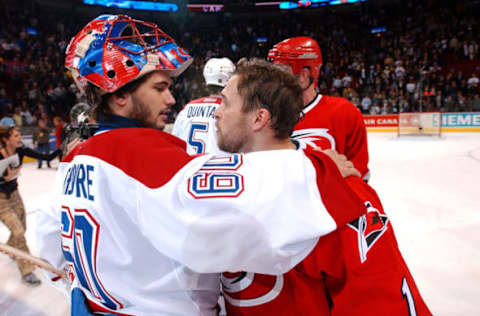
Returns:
(113, 50)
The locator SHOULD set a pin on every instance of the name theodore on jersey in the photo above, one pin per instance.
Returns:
(78, 181)
(201, 110)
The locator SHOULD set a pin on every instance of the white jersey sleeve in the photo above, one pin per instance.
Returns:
(195, 124)
(48, 223)
(256, 212)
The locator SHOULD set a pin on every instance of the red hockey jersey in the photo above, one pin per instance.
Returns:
(357, 270)
(335, 123)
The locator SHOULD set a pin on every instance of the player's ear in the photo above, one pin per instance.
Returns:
(120, 101)
(261, 119)
(305, 72)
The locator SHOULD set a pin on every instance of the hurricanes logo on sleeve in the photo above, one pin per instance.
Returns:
(369, 227)
(314, 137)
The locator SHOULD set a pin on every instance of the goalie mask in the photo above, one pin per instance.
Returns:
(113, 50)
(217, 71)
(298, 53)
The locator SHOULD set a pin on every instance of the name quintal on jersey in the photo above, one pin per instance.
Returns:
(201, 110)
(314, 137)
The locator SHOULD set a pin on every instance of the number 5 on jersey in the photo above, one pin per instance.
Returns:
(197, 130)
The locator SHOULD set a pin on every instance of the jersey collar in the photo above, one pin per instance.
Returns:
(112, 121)
(312, 104)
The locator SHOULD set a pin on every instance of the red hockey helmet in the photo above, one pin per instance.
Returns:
(298, 52)
(113, 50)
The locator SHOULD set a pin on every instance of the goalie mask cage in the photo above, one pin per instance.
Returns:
(420, 124)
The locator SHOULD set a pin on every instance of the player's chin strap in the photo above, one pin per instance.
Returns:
(311, 82)
(22, 255)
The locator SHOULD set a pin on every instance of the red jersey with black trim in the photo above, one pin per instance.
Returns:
(335, 123)
(356, 270)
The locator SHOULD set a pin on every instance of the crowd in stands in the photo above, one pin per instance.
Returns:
(408, 64)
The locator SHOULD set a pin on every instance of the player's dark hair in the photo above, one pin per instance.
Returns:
(99, 101)
(265, 85)
(213, 89)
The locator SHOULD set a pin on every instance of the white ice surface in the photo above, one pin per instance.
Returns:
(430, 188)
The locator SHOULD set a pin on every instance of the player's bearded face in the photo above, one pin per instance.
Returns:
(151, 102)
(232, 124)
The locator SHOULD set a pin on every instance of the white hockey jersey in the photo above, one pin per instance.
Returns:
(195, 124)
(137, 219)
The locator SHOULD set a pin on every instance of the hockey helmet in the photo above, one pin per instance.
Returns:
(298, 52)
(217, 71)
(113, 50)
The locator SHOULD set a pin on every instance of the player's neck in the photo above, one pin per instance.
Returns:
(309, 95)
(268, 142)
(10, 150)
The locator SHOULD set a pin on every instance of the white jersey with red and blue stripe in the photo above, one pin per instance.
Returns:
(195, 124)
(141, 224)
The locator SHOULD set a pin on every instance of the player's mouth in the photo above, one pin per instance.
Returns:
(164, 114)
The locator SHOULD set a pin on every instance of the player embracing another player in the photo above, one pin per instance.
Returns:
(144, 228)
(356, 270)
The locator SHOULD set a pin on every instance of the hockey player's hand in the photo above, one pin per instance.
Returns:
(345, 166)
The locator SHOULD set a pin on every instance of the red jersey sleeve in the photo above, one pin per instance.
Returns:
(356, 146)
(367, 275)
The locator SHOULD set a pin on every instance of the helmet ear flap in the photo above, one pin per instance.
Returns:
(311, 76)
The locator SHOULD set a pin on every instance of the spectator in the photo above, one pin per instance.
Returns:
(58, 123)
(449, 104)
(473, 82)
(41, 138)
(411, 85)
(346, 80)
(375, 109)
(17, 117)
(27, 117)
(476, 103)
(337, 83)
(366, 103)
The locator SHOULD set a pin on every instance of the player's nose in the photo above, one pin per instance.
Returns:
(169, 99)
